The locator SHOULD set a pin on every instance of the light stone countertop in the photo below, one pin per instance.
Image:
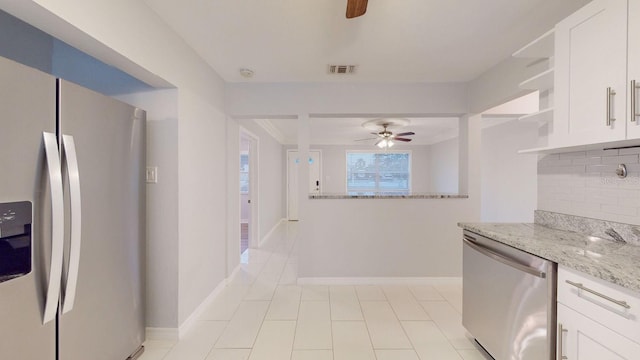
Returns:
(615, 262)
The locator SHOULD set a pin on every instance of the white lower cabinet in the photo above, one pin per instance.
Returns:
(597, 320)
(584, 339)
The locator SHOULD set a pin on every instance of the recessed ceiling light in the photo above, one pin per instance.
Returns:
(246, 73)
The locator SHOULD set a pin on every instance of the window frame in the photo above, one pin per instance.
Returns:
(377, 190)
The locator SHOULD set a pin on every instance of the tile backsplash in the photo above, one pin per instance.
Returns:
(585, 184)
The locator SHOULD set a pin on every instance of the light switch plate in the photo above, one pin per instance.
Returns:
(152, 174)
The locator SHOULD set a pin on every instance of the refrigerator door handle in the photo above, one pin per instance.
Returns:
(57, 226)
(71, 161)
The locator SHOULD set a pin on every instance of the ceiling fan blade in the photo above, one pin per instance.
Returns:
(367, 139)
(406, 133)
(375, 134)
(356, 8)
(402, 139)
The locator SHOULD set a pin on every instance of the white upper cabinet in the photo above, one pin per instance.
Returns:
(633, 130)
(591, 75)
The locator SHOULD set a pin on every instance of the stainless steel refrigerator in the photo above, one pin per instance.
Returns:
(72, 228)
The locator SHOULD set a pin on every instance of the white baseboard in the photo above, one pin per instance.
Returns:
(162, 334)
(191, 320)
(233, 274)
(188, 324)
(273, 229)
(380, 281)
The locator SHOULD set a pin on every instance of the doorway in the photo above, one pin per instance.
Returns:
(315, 174)
(248, 191)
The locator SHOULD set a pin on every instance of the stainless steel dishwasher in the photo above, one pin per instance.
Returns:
(509, 300)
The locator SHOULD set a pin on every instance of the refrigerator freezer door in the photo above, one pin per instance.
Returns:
(107, 320)
(27, 109)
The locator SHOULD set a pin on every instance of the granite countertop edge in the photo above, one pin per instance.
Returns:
(604, 259)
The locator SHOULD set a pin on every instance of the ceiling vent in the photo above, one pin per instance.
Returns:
(342, 69)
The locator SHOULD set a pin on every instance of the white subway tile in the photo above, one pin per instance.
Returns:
(635, 220)
(573, 155)
(629, 201)
(549, 157)
(632, 167)
(602, 152)
(568, 169)
(589, 186)
(622, 159)
(601, 169)
(571, 197)
(628, 194)
(596, 198)
(587, 161)
(555, 205)
(631, 182)
(554, 163)
(627, 151)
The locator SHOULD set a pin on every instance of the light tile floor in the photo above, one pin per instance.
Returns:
(262, 314)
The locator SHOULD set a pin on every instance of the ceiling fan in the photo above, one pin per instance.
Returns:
(386, 138)
(356, 8)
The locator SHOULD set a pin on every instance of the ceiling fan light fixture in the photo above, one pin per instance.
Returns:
(385, 144)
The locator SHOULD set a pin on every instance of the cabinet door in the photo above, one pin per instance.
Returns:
(633, 122)
(591, 56)
(585, 339)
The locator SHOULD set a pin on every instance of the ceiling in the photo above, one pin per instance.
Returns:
(395, 41)
(345, 131)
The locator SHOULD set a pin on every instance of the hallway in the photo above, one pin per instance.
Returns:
(263, 314)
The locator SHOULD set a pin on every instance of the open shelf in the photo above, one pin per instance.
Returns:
(541, 47)
(541, 116)
(540, 82)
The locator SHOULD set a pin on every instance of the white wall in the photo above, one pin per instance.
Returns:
(324, 217)
(144, 46)
(443, 167)
(344, 98)
(584, 183)
(508, 179)
(390, 237)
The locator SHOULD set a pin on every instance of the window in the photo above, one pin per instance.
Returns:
(371, 173)
(244, 173)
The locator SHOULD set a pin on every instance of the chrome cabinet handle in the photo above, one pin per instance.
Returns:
(57, 226)
(71, 162)
(503, 259)
(582, 287)
(634, 113)
(610, 94)
(561, 331)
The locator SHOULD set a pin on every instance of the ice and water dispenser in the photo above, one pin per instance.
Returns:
(15, 240)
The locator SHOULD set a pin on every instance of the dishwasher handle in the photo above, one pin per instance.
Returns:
(503, 259)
